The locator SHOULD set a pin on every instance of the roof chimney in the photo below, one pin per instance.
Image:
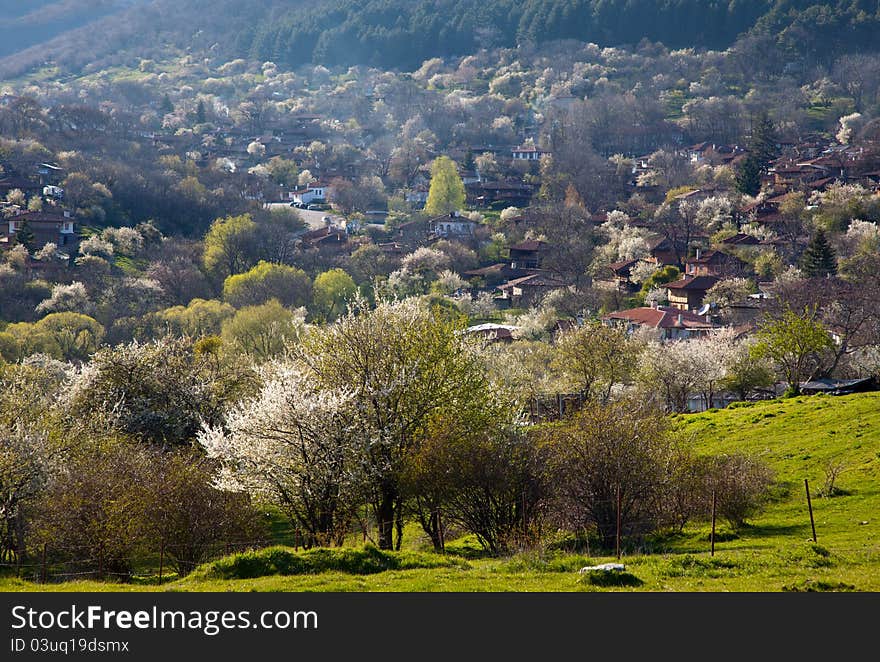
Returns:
(680, 319)
(698, 253)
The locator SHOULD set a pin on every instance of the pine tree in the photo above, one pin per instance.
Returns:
(819, 258)
(469, 161)
(25, 236)
(200, 113)
(166, 106)
(763, 148)
(764, 141)
(748, 176)
(447, 193)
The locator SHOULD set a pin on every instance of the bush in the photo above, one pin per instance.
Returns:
(742, 485)
(366, 560)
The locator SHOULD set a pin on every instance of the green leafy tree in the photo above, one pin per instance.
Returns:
(762, 147)
(477, 470)
(262, 332)
(594, 358)
(230, 246)
(289, 285)
(332, 291)
(793, 342)
(201, 116)
(763, 142)
(447, 193)
(200, 317)
(77, 336)
(165, 106)
(283, 171)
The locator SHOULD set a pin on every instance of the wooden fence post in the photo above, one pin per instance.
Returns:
(810, 506)
(712, 537)
(618, 521)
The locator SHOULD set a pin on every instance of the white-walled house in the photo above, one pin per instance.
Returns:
(316, 191)
(451, 225)
(527, 154)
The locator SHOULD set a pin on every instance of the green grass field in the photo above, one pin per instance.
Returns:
(799, 438)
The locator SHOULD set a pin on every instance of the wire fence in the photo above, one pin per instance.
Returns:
(633, 535)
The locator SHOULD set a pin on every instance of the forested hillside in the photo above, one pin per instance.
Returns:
(401, 34)
(26, 24)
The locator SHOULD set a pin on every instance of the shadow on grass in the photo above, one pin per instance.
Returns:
(770, 530)
(814, 586)
(467, 547)
(610, 579)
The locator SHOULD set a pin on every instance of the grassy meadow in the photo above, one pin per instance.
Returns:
(800, 438)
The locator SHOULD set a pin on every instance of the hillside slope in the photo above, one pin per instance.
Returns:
(34, 23)
(797, 437)
(401, 34)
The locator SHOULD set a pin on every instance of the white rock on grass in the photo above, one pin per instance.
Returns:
(604, 567)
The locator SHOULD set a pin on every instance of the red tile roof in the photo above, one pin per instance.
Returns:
(693, 283)
(661, 317)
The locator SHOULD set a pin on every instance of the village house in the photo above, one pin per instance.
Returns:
(417, 196)
(669, 323)
(26, 186)
(412, 233)
(527, 254)
(661, 251)
(526, 291)
(714, 263)
(329, 239)
(46, 227)
(741, 239)
(620, 273)
(527, 153)
(314, 192)
(492, 275)
(688, 293)
(452, 225)
(508, 194)
(492, 333)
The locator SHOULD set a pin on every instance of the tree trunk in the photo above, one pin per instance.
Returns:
(429, 517)
(385, 517)
(398, 521)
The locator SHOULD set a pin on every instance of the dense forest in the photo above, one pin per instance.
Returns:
(401, 34)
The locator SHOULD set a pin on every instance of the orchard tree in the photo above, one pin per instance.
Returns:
(406, 364)
(30, 448)
(295, 445)
(595, 358)
(158, 392)
(794, 342)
